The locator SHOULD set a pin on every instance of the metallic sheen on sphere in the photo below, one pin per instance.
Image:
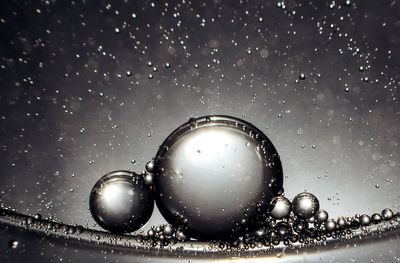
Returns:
(214, 174)
(365, 220)
(121, 202)
(280, 207)
(322, 216)
(330, 225)
(305, 205)
(387, 214)
(376, 218)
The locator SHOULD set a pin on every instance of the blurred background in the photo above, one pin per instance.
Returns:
(88, 87)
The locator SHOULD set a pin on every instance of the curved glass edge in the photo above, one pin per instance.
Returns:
(381, 240)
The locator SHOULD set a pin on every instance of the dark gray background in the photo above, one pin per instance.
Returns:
(69, 112)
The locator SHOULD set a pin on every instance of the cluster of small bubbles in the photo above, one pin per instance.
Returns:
(162, 235)
(268, 231)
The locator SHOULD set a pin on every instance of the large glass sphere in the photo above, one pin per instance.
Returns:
(214, 174)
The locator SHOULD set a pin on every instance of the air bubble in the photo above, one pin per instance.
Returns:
(13, 244)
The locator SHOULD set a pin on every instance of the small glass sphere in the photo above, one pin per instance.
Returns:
(150, 167)
(364, 220)
(214, 174)
(341, 222)
(376, 218)
(300, 225)
(330, 225)
(387, 214)
(280, 207)
(305, 205)
(168, 230)
(283, 229)
(121, 202)
(321, 216)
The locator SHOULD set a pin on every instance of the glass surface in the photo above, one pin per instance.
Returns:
(90, 87)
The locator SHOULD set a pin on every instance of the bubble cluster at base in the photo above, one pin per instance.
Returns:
(300, 221)
(217, 178)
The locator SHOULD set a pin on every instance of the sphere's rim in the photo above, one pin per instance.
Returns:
(211, 120)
